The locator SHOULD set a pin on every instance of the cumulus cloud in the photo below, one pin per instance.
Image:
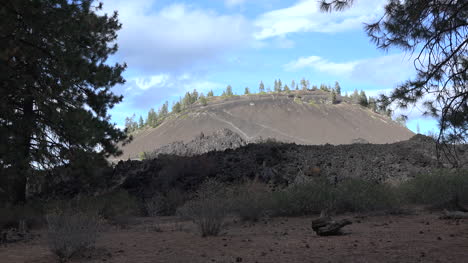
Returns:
(145, 92)
(305, 16)
(175, 37)
(386, 70)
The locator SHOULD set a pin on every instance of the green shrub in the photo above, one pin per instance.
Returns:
(303, 199)
(251, 201)
(165, 204)
(437, 188)
(208, 209)
(70, 232)
(357, 195)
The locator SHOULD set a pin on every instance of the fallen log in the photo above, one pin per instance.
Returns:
(326, 226)
(454, 215)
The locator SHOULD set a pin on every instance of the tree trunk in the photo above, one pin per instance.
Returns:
(22, 166)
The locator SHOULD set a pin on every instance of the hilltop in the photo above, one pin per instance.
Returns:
(301, 117)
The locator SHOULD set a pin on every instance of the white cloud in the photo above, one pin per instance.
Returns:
(147, 83)
(322, 65)
(305, 16)
(175, 37)
(145, 92)
(385, 70)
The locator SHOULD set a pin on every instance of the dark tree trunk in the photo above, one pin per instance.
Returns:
(22, 166)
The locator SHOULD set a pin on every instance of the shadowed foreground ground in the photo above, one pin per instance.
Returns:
(420, 237)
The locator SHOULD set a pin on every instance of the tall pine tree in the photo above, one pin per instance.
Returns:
(55, 86)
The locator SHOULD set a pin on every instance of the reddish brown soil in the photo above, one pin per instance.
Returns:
(402, 238)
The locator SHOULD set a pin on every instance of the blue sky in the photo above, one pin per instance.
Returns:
(172, 47)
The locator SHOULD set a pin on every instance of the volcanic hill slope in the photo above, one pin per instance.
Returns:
(307, 118)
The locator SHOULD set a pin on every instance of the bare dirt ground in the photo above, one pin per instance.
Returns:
(421, 237)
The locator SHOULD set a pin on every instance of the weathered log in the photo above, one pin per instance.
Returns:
(325, 226)
(457, 205)
(454, 215)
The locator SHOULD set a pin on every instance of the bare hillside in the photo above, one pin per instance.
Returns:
(302, 117)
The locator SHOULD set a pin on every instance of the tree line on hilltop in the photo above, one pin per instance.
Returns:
(155, 118)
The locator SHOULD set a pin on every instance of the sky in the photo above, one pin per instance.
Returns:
(172, 47)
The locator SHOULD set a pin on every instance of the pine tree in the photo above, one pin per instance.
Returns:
(141, 122)
(164, 110)
(246, 91)
(152, 118)
(304, 84)
(363, 99)
(55, 87)
(355, 96)
(436, 30)
(203, 100)
(187, 101)
(176, 108)
(333, 97)
(293, 84)
(372, 104)
(261, 88)
(280, 85)
(194, 96)
(337, 88)
(286, 88)
(210, 93)
(275, 86)
(229, 92)
(314, 87)
(130, 124)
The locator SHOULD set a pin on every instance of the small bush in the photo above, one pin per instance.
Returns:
(251, 201)
(357, 195)
(208, 209)
(437, 188)
(303, 199)
(71, 232)
(119, 204)
(165, 204)
(31, 214)
(115, 206)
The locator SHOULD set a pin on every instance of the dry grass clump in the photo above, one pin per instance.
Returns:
(251, 201)
(71, 232)
(165, 204)
(208, 209)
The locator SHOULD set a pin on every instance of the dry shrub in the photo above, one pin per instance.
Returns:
(251, 201)
(71, 232)
(116, 207)
(358, 195)
(437, 188)
(165, 204)
(208, 209)
(309, 197)
(30, 214)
